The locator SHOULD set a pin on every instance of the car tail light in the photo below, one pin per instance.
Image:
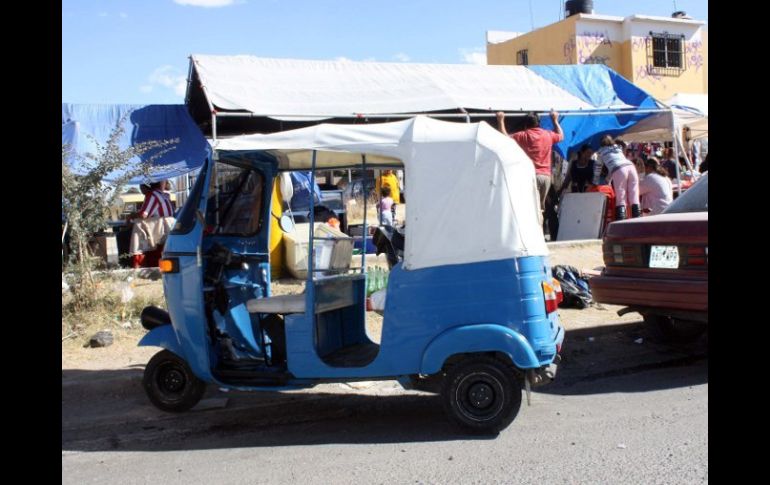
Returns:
(697, 256)
(553, 295)
(622, 254)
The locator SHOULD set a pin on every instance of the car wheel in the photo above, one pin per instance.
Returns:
(674, 330)
(170, 383)
(481, 394)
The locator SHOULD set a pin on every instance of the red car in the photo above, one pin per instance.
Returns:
(658, 266)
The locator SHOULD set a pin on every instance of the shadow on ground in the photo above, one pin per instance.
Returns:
(108, 410)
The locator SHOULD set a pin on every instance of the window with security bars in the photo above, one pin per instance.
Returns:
(666, 54)
(522, 57)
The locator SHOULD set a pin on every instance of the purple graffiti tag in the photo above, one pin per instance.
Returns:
(569, 49)
(693, 47)
(644, 72)
(697, 61)
(639, 43)
(586, 57)
(594, 39)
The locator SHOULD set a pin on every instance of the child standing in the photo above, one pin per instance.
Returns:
(385, 207)
(623, 177)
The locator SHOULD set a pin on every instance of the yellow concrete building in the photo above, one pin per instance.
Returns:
(661, 55)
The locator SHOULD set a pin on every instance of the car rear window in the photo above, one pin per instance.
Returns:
(694, 199)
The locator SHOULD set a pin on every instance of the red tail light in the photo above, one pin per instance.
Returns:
(552, 294)
(697, 256)
(622, 254)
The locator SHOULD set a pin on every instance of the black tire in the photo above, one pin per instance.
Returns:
(481, 394)
(672, 330)
(170, 383)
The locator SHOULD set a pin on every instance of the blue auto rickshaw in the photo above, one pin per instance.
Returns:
(470, 307)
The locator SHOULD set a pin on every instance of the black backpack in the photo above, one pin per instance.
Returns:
(577, 293)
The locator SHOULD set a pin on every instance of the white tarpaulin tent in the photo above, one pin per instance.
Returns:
(474, 198)
(690, 110)
(291, 88)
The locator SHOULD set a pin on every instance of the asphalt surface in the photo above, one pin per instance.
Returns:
(619, 411)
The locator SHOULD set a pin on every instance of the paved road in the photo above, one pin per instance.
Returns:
(620, 412)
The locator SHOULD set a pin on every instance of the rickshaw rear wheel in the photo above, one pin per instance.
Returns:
(170, 383)
(481, 394)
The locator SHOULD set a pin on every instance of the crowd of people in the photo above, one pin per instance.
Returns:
(638, 179)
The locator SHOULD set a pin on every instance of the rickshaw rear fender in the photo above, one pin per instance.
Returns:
(163, 336)
(486, 337)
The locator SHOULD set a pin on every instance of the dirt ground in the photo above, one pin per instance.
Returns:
(124, 352)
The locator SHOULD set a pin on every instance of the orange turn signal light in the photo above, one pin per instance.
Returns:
(168, 265)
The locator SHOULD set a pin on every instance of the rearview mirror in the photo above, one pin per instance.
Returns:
(286, 223)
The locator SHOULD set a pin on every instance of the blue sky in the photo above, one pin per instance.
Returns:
(136, 51)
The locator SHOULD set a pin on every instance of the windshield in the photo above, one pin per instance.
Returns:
(235, 200)
(695, 199)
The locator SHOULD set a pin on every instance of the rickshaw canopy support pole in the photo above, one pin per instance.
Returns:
(364, 231)
(311, 249)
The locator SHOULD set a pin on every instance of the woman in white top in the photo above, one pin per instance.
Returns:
(655, 190)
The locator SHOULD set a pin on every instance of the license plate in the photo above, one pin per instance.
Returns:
(664, 257)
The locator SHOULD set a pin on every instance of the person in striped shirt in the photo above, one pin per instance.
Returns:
(157, 203)
(154, 221)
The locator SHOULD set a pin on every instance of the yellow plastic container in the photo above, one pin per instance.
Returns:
(276, 234)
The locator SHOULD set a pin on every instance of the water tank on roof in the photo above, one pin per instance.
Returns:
(573, 7)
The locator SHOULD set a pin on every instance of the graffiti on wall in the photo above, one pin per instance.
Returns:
(647, 73)
(694, 52)
(583, 48)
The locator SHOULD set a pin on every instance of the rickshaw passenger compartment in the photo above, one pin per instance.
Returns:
(339, 320)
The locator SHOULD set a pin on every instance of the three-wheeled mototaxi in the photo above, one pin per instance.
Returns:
(470, 308)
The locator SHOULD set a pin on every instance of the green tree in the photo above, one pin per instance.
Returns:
(87, 195)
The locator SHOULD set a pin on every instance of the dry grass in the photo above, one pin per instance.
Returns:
(355, 210)
(115, 305)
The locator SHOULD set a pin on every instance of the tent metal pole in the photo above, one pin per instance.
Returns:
(676, 154)
(212, 110)
(189, 82)
(444, 115)
(687, 160)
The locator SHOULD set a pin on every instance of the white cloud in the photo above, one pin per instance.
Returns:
(206, 3)
(123, 15)
(103, 14)
(147, 88)
(477, 55)
(402, 57)
(168, 77)
(343, 59)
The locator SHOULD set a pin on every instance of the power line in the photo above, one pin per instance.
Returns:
(531, 16)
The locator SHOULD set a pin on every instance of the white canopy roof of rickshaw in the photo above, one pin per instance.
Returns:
(472, 195)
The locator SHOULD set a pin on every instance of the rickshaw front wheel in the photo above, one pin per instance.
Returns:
(170, 383)
(481, 394)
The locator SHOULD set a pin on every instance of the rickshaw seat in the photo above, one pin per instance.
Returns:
(280, 304)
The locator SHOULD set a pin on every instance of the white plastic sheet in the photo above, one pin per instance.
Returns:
(291, 89)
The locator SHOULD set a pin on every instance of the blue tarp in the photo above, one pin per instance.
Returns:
(603, 88)
(85, 125)
(300, 201)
